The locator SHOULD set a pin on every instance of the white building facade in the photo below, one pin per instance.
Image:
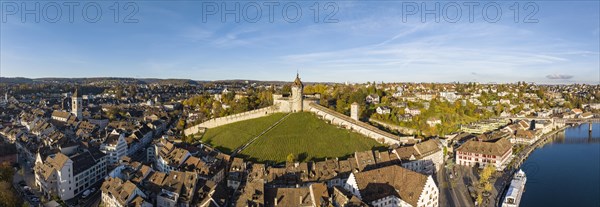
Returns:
(115, 149)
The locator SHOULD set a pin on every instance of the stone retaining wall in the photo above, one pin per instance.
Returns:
(212, 123)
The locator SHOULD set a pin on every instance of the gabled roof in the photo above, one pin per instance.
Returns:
(364, 159)
(61, 114)
(391, 181)
(497, 148)
(121, 190)
(51, 165)
(253, 194)
(290, 197)
(418, 150)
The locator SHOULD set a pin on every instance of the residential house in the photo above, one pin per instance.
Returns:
(393, 186)
(313, 195)
(383, 110)
(372, 99)
(432, 121)
(426, 157)
(178, 189)
(236, 173)
(526, 137)
(115, 147)
(412, 111)
(119, 193)
(67, 176)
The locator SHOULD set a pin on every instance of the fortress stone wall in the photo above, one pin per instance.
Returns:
(403, 130)
(231, 119)
(299, 102)
(362, 128)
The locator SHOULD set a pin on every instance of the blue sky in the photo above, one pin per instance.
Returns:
(363, 41)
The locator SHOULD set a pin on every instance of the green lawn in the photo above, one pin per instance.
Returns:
(308, 138)
(228, 137)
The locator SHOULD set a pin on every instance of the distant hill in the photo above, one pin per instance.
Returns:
(174, 81)
(96, 80)
(169, 81)
(16, 80)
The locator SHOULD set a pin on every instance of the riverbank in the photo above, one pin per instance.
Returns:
(559, 155)
(518, 160)
(565, 172)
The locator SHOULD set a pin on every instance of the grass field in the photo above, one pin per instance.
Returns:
(228, 137)
(308, 138)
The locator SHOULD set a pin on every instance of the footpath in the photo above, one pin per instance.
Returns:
(241, 148)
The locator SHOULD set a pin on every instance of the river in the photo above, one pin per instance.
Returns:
(566, 171)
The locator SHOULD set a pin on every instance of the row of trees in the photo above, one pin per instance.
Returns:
(451, 114)
(485, 177)
(208, 107)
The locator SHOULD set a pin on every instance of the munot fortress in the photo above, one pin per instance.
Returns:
(299, 102)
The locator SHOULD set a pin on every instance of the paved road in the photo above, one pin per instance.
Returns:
(462, 179)
(453, 191)
(29, 179)
(447, 197)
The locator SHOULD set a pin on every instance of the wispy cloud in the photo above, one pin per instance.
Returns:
(196, 34)
(404, 34)
(433, 49)
(370, 42)
(559, 76)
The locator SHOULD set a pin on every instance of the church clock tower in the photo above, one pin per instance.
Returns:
(76, 102)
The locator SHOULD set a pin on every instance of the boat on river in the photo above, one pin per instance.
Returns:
(515, 190)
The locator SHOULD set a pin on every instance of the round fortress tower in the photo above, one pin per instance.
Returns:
(297, 89)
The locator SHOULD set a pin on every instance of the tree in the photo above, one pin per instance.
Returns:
(7, 195)
(119, 92)
(132, 90)
(286, 89)
(479, 199)
(341, 105)
(486, 173)
(488, 187)
(291, 158)
(181, 124)
(6, 172)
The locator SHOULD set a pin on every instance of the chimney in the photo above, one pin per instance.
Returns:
(300, 200)
(275, 201)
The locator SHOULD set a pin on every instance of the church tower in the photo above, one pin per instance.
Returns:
(297, 96)
(76, 102)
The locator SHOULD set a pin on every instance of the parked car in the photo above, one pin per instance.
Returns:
(86, 193)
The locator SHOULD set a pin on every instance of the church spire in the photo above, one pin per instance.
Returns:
(76, 93)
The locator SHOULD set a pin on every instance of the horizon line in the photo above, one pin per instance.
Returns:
(343, 82)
